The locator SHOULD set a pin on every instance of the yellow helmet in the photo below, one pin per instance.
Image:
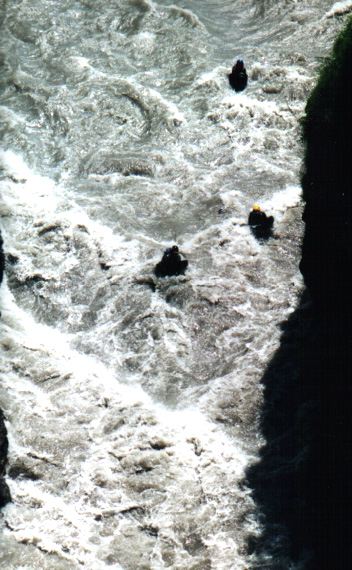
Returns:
(256, 208)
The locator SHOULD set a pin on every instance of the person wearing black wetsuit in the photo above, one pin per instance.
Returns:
(261, 224)
(171, 263)
(238, 77)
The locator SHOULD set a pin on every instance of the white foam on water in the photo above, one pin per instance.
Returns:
(188, 15)
(282, 200)
(103, 470)
(36, 200)
(84, 385)
(339, 8)
(27, 190)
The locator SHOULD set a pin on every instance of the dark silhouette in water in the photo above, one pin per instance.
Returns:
(238, 77)
(5, 496)
(261, 224)
(303, 481)
(171, 263)
(2, 259)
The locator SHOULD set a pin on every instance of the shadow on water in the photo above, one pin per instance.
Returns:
(302, 482)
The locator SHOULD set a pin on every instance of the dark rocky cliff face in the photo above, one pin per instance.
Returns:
(4, 490)
(303, 481)
(326, 268)
(326, 182)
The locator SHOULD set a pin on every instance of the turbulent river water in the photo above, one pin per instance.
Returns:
(133, 403)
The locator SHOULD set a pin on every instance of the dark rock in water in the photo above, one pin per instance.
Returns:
(12, 259)
(148, 281)
(238, 77)
(224, 211)
(5, 496)
(171, 263)
(2, 259)
(261, 224)
(19, 469)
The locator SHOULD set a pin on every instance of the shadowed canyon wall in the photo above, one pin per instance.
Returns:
(303, 479)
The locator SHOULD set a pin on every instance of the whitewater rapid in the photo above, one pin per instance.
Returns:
(133, 403)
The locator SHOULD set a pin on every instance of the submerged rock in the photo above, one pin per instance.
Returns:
(2, 259)
(5, 496)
